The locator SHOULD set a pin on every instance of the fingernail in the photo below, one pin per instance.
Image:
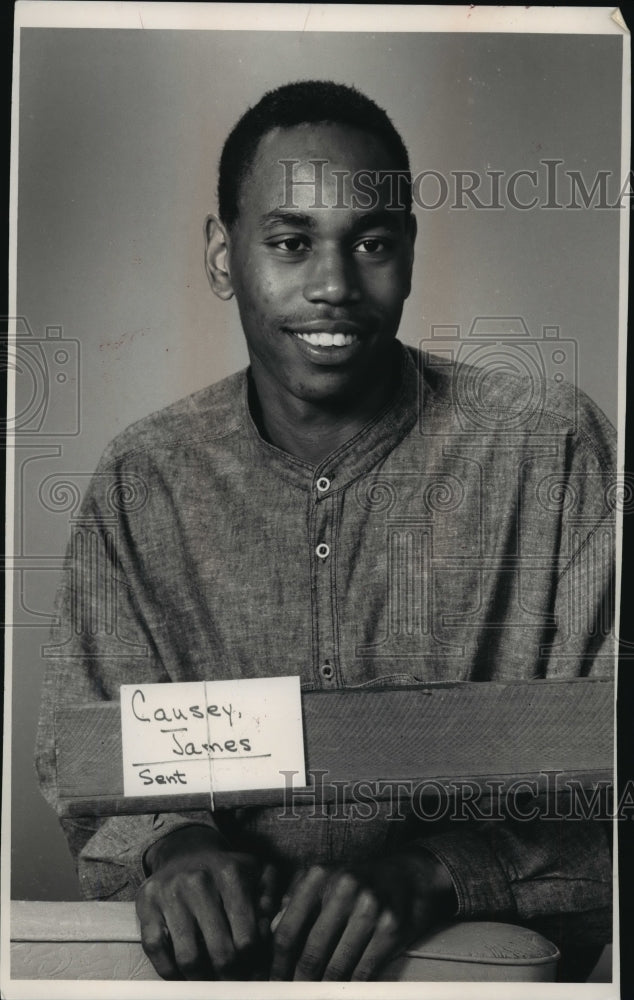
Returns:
(275, 921)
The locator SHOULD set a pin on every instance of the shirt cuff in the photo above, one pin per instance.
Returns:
(479, 881)
(164, 824)
(111, 864)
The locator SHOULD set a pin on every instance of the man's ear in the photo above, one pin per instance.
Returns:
(412, 229)
(217, 257)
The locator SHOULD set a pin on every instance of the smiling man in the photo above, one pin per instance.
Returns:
(259, 549)
(320, 292)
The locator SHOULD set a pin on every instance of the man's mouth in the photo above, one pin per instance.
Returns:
(324, 339)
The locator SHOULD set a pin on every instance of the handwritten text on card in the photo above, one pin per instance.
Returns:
(211, 736)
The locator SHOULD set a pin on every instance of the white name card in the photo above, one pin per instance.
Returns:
(211, 736)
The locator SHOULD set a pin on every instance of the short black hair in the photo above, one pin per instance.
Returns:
(300, 103)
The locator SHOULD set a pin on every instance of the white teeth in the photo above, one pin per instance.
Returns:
(327, 339)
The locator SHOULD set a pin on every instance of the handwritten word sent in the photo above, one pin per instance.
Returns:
(211, 736)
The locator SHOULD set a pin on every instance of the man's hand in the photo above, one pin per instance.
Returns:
(205, 910)
(346, 923)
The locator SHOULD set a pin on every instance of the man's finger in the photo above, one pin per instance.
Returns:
(237, 899)
(384, 944)
(303, 907)
(268, 903)
(268, 891)
(190, 952)
(157, 944)
(219, 955)
(354, 940)
(325, 933)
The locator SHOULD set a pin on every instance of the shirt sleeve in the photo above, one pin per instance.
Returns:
(101, 640)
(555, 874)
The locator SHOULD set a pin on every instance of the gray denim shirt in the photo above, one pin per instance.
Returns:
(466, 533)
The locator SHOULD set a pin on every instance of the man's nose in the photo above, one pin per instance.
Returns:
(332, 278)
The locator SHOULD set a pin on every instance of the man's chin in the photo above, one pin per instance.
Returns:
(337, 387)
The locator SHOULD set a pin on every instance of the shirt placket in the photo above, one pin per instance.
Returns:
(323, 539)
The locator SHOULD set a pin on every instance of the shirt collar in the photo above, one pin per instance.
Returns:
(358, 455)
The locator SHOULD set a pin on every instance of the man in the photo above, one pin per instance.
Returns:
(256, 546)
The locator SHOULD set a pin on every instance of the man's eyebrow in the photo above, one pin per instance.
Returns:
(386, 218)
(281, 217)
(389, 219)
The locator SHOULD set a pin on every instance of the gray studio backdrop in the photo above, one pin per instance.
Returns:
(120, 132)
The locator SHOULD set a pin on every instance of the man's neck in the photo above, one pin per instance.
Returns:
(312, 431)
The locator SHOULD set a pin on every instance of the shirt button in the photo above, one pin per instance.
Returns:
(323, 550)
(323, 484)
(327, 671)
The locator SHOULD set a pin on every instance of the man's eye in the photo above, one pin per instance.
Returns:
(371, 245)
(291, 244)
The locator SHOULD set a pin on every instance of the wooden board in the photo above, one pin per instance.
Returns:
(77, 941)
(445, 733)
(102, 941)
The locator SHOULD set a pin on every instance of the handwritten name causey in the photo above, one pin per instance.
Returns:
(161, 714)
(187, 748)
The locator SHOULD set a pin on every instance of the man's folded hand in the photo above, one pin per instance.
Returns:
(345, 923)
(205, 910)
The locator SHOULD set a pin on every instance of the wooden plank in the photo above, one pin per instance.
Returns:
(91, 940)
(79, 960)
(73, 921)
(541, 783)
(440, 732)
(102, 941)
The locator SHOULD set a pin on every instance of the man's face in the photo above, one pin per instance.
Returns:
(320, 290)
